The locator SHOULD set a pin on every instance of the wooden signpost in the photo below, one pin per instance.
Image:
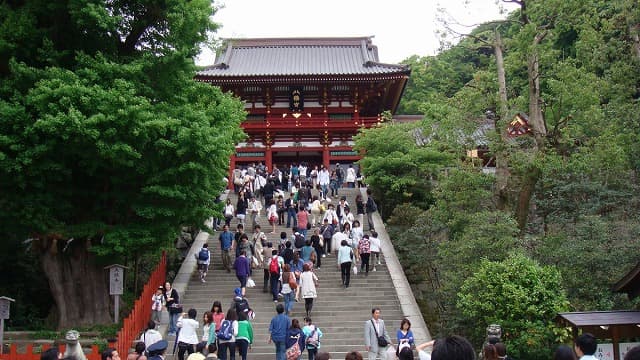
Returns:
(116, 287)
(5, 306)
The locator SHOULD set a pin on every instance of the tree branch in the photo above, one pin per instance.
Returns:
(149, 17)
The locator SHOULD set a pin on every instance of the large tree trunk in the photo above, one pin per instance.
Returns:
(79, 286)
(536, 118)
(524, 198)
(539, 129)
(502, 161)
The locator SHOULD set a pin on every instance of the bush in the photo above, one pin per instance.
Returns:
(520, 295)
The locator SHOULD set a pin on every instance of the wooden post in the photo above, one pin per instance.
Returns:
(5, 307)
(325, 157)
(616, 342)
(268, 158)
(116, 287)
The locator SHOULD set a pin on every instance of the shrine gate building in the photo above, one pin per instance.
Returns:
(305, 97)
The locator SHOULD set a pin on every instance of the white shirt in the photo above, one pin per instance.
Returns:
(347, 218)
(150, 337)
(374, 244)
(336, 240)
(330, 215)
(273, 211)
(351, 175)
(324, 177)
(255, 206)
(187, 330)
(205, 331)
(357, 234)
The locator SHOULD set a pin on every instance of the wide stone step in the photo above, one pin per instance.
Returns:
(340, 313)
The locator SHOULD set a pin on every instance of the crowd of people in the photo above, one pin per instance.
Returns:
(225, 333)
(319, 228)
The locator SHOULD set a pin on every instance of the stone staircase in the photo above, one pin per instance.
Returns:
(340, 313)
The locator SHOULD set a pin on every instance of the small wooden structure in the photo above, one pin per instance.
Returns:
(519, 125)
(614, 325)
(630, 283)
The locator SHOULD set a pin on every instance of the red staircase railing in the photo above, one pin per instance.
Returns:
(29, 353)
(140, 315)
(131, 326)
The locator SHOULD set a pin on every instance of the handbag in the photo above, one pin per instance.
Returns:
(175, 309)
(293, 353)
(308, 226)
(382, 341)
(292, 281)
(251, 283)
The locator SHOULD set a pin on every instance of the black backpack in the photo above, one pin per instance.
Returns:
(242, 306)
(300, 241)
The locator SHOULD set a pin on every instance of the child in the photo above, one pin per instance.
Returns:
(157, 304)
(375, 249)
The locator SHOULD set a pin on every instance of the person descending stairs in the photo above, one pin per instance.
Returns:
(340, 312)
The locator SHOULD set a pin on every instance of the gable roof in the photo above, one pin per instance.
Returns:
(614, 325)
(299, 56)
(630, 283)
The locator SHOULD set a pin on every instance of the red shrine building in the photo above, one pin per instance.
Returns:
(305, 97)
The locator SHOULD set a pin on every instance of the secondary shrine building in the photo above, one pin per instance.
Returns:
(305, 97)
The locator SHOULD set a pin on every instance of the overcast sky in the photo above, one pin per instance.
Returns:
(401, 28)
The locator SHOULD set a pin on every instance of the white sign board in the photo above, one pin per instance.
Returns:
(116, 279)
(4, 309)
(625, 347)
(604, 352)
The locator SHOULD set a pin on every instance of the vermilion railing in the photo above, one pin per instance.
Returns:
(29, 353)
(131, 326)
(302, 123)
(140, 315)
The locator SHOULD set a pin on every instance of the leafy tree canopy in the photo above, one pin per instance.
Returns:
(523, 297)
(107, 143)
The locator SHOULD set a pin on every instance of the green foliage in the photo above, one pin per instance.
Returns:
(104, 135)
(520, 295)
(594, 251)
(440, 247)
(582, 217)
(397, 167)
(100, 159)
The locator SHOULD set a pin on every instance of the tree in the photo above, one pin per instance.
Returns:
(572, 184)
(399, 167)
(520, 295)
(107, 144)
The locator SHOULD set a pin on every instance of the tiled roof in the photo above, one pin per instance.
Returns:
(299, 56)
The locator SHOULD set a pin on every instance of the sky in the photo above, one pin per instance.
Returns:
(400, 28)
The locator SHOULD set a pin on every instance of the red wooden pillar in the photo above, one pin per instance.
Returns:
(325, 156)
(232, 166)
(268, 158)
